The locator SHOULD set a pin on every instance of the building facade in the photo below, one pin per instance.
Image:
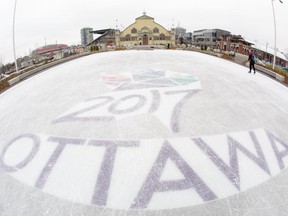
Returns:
(188, 38)
(207, 37)
(180, 34)
(235, 43)
(50, 51)
(86, 36)
(266, 54)
(106, 38)
(144, 31)
(238, 44)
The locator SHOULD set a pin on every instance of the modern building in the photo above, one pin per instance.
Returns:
(180, 34)
(145, 31)
(106, 38)
(188, 38)
(86, 36)
(207, 37)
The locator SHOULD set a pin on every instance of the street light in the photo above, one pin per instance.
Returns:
(14, 51)
(274, 60)
(266, 52)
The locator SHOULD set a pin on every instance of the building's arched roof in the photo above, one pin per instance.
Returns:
(51, 48)
(145, 17)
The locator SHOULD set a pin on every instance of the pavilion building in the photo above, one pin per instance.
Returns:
(145, 31)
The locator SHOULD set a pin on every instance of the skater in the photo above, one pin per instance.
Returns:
(251, 59)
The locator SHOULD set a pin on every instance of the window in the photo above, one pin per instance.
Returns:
(134, 31)
(162, 36)
(155, 30)
(128, 37)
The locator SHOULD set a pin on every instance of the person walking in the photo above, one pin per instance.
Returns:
(252, 59)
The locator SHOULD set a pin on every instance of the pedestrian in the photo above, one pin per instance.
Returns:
(252, 59)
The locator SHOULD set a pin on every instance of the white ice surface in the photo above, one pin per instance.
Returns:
(193, 96)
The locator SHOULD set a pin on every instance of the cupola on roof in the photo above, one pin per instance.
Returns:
(144, 16)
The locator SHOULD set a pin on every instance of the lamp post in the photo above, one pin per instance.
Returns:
(266, 52)
(274, 60)
(14, 51)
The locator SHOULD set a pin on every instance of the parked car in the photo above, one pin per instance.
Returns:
(285, 68)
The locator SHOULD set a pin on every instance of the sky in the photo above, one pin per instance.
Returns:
(60, 21)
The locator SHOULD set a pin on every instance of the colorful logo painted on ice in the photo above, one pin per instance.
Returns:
(159, 93)
(149, 78)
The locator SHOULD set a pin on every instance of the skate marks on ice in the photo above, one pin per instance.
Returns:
(145, 174)
(142, 173)
(159, 93)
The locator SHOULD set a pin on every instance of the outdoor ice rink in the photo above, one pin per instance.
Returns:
(144, 132)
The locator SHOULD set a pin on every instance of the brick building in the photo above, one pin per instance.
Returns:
(234, 43)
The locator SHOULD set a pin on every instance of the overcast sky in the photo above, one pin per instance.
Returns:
(61, 20)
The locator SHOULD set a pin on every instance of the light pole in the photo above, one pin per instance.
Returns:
(14, 51)
(266, 52)
(274, 60)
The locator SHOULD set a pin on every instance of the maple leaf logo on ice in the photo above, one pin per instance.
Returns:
(159, 92)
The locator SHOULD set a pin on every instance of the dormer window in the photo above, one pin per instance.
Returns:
(155, 30)
(134, 31)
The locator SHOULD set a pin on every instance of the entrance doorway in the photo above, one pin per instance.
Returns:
(145, 39)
